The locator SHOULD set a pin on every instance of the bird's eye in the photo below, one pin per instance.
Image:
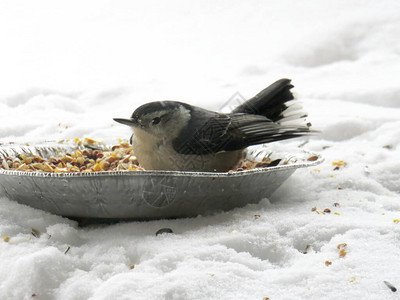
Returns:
(156, 120)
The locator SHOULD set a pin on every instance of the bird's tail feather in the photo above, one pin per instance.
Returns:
(275, 103)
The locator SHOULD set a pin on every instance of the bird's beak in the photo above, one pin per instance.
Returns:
(129, 122)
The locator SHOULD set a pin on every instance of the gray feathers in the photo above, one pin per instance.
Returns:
(229, 132)
(269, 116)
(270, 102)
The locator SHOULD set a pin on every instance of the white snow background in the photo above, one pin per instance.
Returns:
(68, 67)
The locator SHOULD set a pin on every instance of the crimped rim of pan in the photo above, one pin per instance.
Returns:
(16, 149)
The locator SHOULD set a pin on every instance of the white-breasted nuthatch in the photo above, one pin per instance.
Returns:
(171, 135)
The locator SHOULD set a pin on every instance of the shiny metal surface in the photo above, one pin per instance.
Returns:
(142, 194)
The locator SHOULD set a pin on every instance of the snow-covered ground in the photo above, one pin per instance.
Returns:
(66, 69)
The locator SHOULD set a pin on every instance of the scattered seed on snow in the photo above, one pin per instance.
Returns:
(390, 286)
(36, 233)
(164, 230)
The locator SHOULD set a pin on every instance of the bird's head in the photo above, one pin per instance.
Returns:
(163, 119)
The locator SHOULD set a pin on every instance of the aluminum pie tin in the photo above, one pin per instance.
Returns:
(142, 195)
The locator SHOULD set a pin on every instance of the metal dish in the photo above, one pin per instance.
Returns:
(142, 195)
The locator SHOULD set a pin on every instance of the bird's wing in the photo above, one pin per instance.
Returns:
(205, 135)
(247, 130)
(229, 132)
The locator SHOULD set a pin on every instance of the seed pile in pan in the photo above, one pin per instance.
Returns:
(119, 158)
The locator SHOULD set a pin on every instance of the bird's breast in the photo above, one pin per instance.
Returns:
(154, 153)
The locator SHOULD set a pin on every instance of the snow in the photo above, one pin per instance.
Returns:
(68, 69)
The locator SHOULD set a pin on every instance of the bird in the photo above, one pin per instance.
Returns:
(176, 136)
